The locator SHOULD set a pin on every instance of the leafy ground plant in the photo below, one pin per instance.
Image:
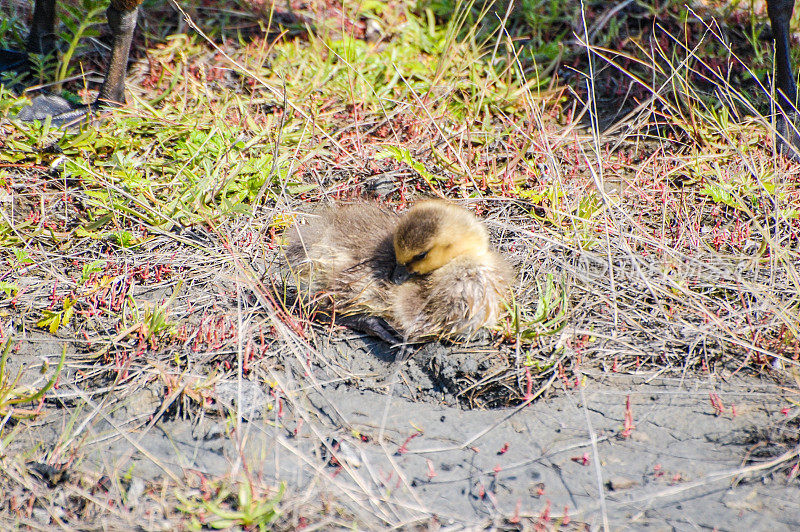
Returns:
(16, 399)
(226, 511)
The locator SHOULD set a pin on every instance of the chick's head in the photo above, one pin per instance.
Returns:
(433, 233)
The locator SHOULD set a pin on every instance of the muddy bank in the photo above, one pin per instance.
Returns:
(635, 451)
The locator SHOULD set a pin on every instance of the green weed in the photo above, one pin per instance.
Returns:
(247, 509)
(550, 313)
(52, 320)
(13, 394)
(79, 23)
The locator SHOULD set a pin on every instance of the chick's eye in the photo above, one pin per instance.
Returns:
(419, 256)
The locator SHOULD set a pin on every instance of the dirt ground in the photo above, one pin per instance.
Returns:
(708, 453)
(468, 436)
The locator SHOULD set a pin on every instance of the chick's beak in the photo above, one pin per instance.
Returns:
(400, 274)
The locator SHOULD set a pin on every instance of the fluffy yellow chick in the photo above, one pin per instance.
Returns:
(425, 275)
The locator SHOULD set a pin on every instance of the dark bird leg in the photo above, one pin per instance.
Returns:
(371, 325)
(41, 39)
(780, 13)
(122, 15)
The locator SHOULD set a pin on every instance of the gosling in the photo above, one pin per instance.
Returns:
(429, 274)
